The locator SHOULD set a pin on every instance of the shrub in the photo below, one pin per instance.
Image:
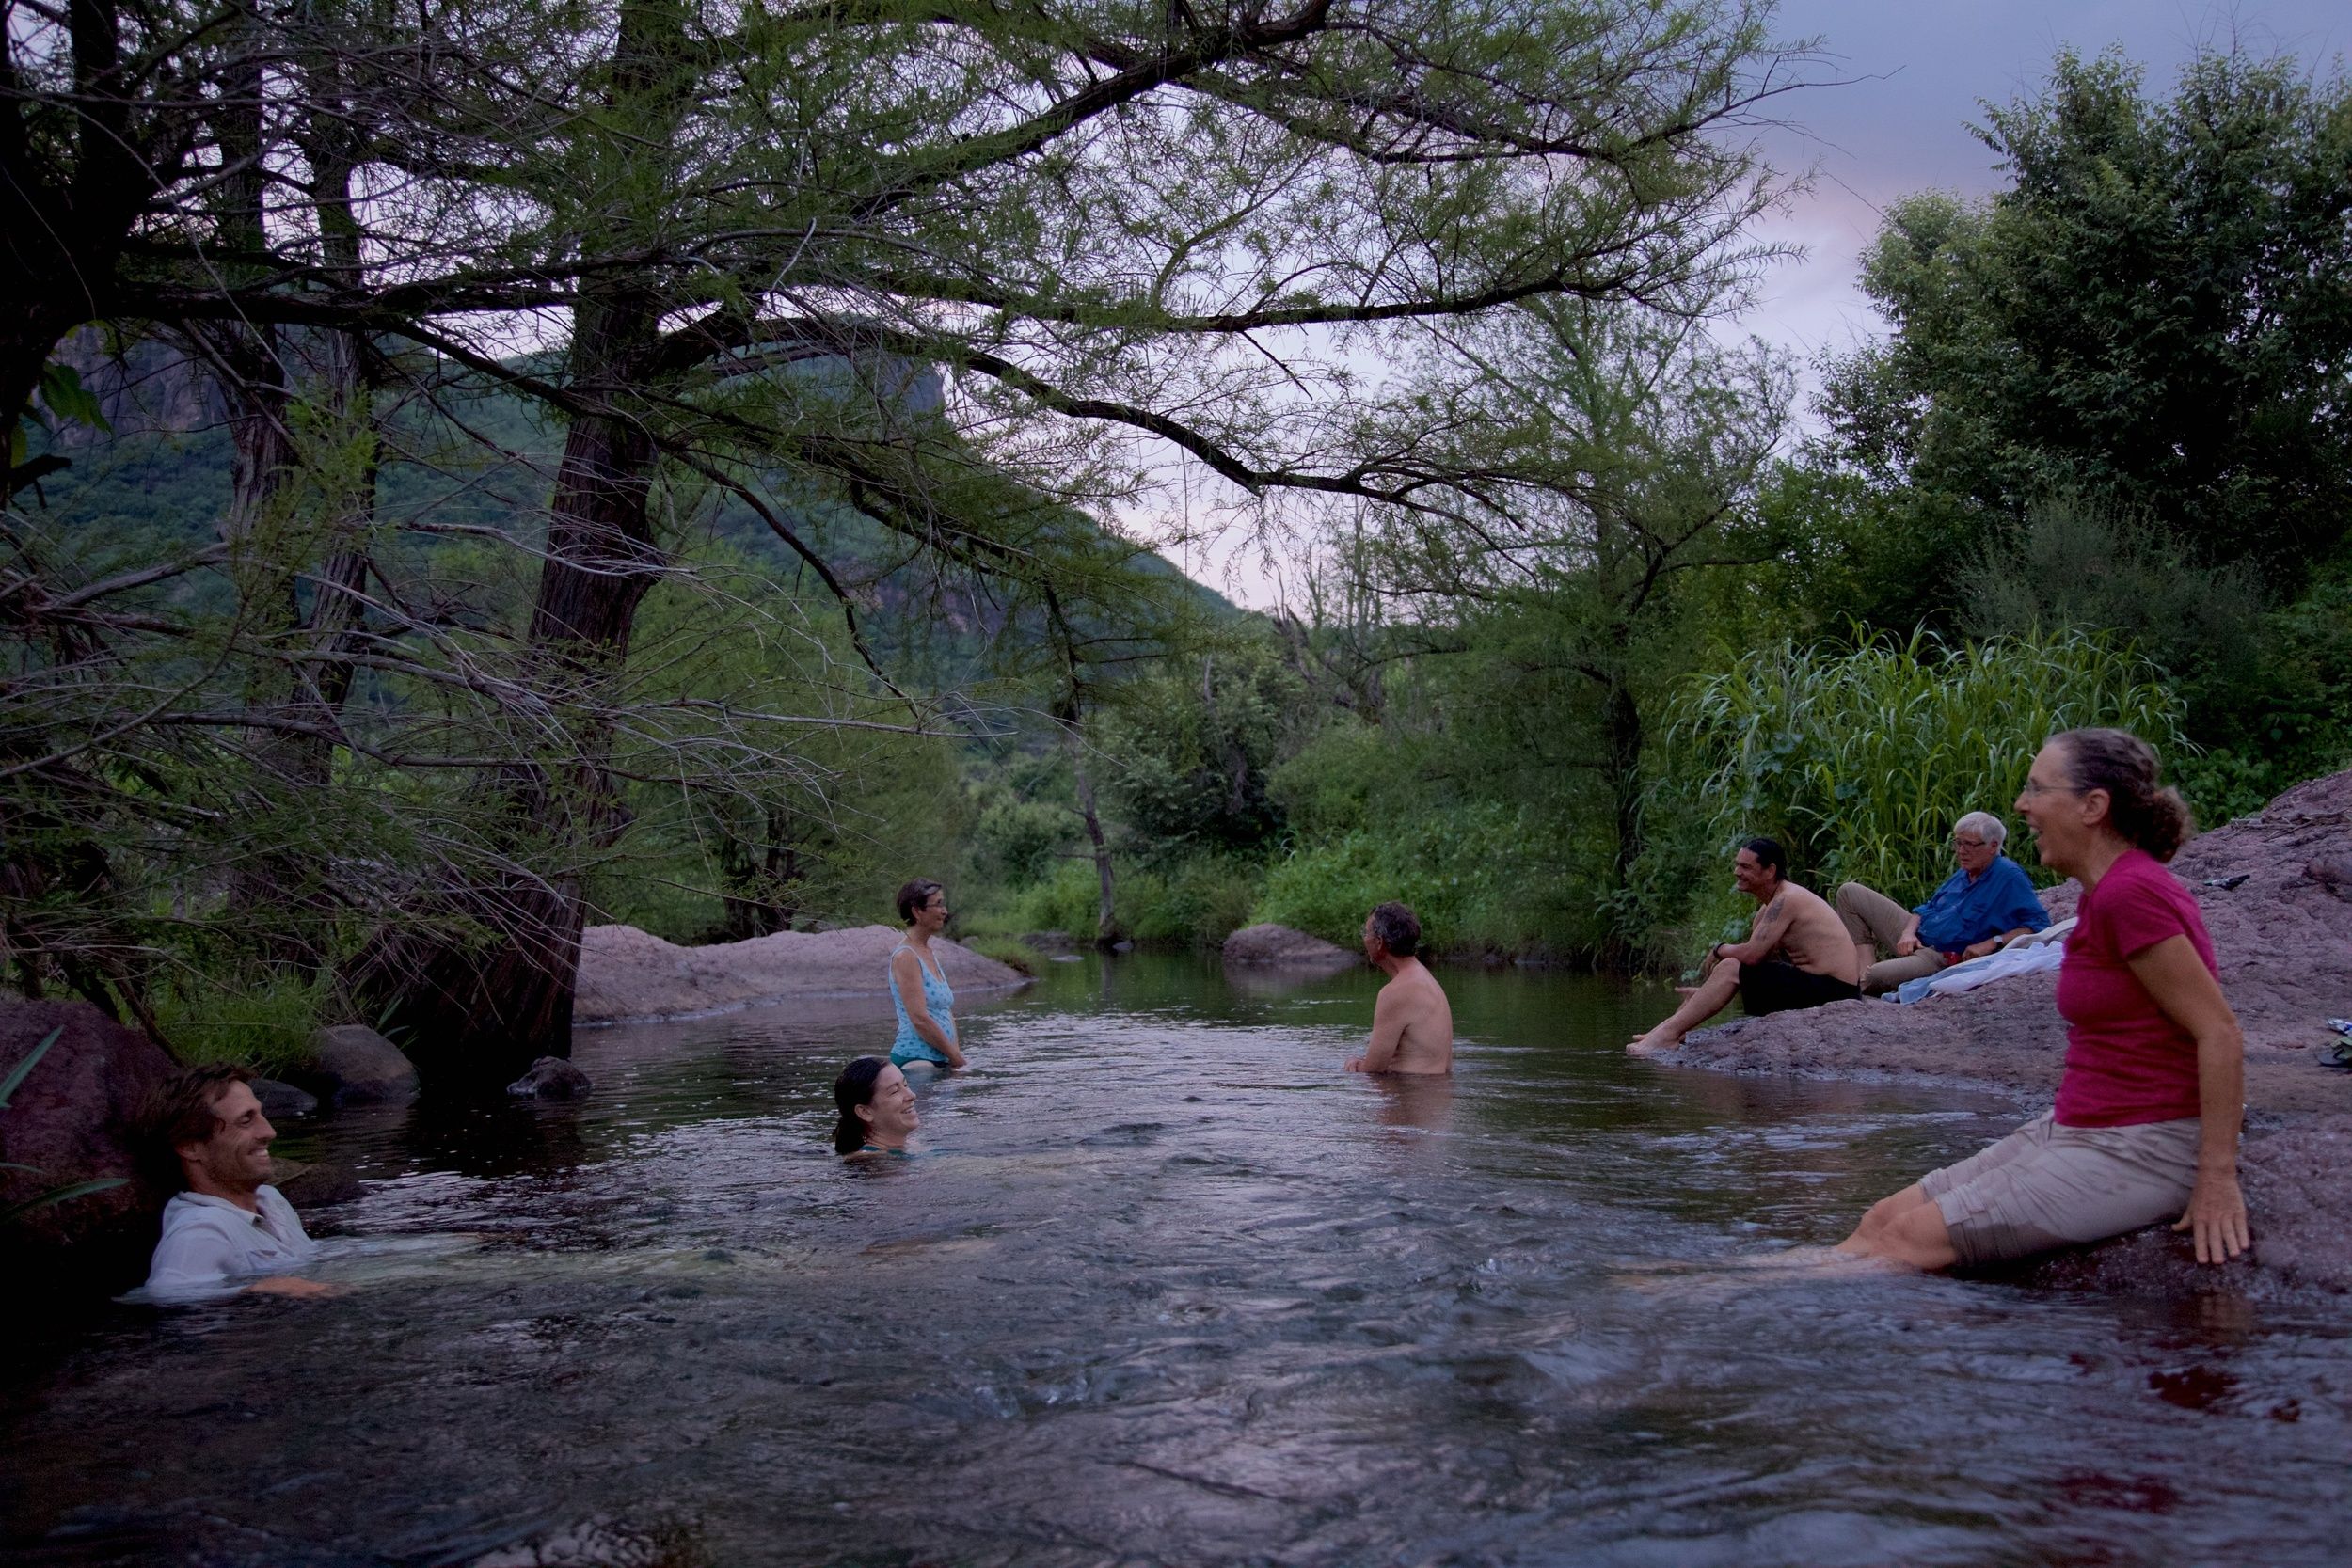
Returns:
(1203, 901)
(1199, 900)
(1481, 877)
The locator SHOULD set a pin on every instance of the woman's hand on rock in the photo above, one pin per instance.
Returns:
(2216, 1215)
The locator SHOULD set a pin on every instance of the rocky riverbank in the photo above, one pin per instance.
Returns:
(632, 976)
(2276, 889)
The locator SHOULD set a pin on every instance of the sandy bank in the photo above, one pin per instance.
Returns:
(2283, 936)
(631, 976)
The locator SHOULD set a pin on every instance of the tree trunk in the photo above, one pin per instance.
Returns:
(486, 1006)
(1106, 905)
(1622, 739)
(62, 225)
(492, 1004)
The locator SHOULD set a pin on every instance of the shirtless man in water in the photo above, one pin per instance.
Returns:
(1797, 953)
(1412, 1025)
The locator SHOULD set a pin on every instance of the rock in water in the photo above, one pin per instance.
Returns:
(628, 975)
(352, 1065)
(283, 1101)
(74, 1118)
(551, 1078)
(1279, 944)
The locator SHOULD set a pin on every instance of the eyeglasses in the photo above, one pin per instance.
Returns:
(1968, 843)
(2035, 788)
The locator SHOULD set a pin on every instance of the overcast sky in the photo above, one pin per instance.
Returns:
(1912, 75)
(1918, 71)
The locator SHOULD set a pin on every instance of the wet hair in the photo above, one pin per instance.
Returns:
(913, 897)
(1398, 929)
(1770, 855)
(2140, 809)
(853, 1088)
(181, 1112)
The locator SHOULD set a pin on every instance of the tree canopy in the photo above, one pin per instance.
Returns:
(2157, 312)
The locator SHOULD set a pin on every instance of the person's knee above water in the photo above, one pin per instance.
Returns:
(1797, 954)
(918, 985)
(227, 1229)
(877, 1109)
(2146, 1122)
(1978, 908)
(1412, 1024)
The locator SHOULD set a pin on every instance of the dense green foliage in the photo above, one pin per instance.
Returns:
(2155, 311)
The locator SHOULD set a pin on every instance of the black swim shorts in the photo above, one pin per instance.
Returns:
(1775, 986)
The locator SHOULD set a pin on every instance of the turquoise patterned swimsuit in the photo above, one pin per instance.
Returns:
(909, 1046)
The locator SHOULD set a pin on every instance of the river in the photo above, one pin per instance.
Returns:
(1169, 1287)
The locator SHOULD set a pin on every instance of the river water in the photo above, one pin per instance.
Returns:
(1169, 1287)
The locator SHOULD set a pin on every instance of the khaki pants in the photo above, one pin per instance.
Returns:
(1874, 920)
(2047, 1186)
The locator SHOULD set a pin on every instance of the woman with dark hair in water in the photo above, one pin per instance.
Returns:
(918, 984)
(2146, 1124)
(877, 1109)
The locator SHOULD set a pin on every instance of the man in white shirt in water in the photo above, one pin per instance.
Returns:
(1412, 1024)
(228, 1224)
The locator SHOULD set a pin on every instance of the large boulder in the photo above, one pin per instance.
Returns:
(283, 1101)
(74, 1118)
(1272, 946)
(352, 1065)
(628, 976)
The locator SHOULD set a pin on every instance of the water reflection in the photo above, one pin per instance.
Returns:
(1167, 1286)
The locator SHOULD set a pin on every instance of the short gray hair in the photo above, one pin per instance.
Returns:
(1983, 825)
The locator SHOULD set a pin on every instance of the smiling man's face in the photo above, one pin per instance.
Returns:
(235, 1159)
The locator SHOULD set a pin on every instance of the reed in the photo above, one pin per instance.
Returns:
(1860, 759)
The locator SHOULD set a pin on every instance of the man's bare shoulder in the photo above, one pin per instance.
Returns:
(1807, 904)
(1413, 986)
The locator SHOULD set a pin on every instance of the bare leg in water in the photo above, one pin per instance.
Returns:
(1907, 1228)
(1713, 994)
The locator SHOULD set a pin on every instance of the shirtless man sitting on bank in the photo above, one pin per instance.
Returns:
(1797, 953)
(1412, 1025)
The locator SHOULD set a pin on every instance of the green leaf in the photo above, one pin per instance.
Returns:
(62, 390)
(16, 1074)
(60, 1195)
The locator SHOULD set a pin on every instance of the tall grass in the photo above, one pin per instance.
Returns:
(263, 1021)
(1860, 760)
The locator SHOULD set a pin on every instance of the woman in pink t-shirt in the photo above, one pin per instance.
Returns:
(2146, 1123)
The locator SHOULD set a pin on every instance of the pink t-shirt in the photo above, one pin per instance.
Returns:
(2126, 1061)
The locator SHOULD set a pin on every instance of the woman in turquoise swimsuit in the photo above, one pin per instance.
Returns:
(877, 1109)
(918, 986)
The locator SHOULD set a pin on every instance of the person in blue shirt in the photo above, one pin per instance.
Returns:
(1981, 906)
